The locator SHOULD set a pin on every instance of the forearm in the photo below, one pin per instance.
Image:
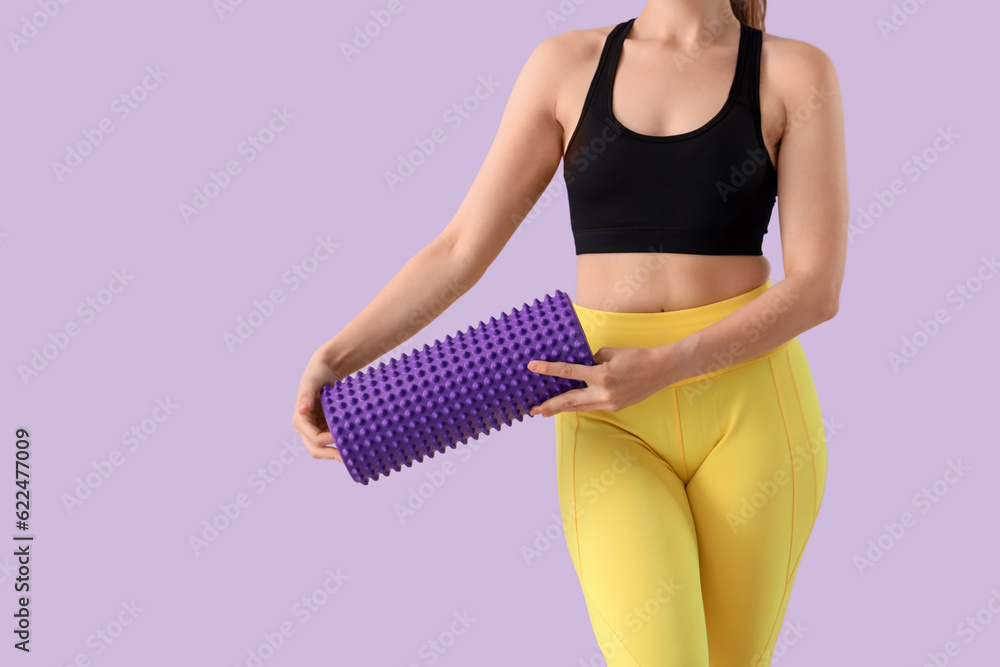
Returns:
(433, 279)
(790, 307)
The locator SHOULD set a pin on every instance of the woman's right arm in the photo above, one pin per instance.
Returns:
(520, 164)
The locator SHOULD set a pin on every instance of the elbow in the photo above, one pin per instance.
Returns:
(822, 294)
(830, 301)
(830, 310)
(465, 264)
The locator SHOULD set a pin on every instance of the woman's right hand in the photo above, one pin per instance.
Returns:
(308, 418)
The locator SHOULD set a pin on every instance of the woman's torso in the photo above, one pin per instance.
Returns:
(653, 96)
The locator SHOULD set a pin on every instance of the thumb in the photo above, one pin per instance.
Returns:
(305, 404)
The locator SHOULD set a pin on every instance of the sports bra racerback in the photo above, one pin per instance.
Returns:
(709, 191)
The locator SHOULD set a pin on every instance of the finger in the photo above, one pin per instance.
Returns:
(583, 407)
(573, 400)
(324, 441)
(306, 405)
(308, 395)
(304, 402)
(562, 369)
(320, 451)
(579, 408)
(318, 443)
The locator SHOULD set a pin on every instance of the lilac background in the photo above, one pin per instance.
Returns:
(162, 337)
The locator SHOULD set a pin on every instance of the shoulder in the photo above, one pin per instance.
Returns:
(794, 65)
(802, 74)
(560, 67)
(573, 50)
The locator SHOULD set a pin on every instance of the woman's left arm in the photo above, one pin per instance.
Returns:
(813, 211)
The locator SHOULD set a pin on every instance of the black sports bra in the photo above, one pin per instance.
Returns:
(709, 191)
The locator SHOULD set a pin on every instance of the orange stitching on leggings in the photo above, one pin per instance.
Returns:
(788, 434)
(680, 438)
(791, 538)
(775, 626)
(579, 554)
(610, 627)
(805, 422)
(727, 369)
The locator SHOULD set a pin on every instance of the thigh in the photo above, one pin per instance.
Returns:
(631, 537)
(755, 500)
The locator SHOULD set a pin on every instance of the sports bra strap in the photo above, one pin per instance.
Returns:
(609, 60)
(746, 78)
(749, 86)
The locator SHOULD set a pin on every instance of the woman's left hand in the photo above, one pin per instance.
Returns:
(619, 377)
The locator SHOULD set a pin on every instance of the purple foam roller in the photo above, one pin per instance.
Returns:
(436, 397)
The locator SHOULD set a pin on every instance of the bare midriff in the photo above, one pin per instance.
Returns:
(644, 282)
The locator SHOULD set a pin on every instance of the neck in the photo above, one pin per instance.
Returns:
(686, 24)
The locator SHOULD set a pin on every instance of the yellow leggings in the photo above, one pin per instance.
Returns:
(686, 514)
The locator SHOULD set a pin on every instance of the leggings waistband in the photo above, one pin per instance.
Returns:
(605, 328)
